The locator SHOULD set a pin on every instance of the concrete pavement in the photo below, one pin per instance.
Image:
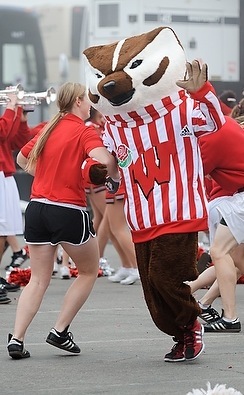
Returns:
(122, 350)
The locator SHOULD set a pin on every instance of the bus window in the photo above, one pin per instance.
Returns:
(108, 15)
(19, 66)
(22, 57)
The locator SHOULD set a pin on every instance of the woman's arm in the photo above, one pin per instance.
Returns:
(22, 162)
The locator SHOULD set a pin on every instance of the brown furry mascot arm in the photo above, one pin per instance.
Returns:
(94, 172)
(97, 174)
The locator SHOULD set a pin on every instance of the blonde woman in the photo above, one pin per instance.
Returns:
(57, 214)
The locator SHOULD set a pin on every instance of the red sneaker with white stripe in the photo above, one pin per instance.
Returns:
(193, 341)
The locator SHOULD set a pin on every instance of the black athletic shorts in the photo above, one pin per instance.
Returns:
(222, 221)
(53, 224)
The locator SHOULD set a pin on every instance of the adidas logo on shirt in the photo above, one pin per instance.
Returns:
(185, 132)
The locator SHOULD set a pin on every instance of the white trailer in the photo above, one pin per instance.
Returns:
(209, 31)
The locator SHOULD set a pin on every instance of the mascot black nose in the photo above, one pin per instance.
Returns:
(109, 86)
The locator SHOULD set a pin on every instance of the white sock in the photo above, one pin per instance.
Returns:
(231, 320)
(204, 306)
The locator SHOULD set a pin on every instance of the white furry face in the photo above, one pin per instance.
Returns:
(134, 72)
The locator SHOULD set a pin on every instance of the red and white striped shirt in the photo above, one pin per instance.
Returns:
(158, 154)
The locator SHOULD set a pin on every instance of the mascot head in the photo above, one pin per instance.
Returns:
(135, 72)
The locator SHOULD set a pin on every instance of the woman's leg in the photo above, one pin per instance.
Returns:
(103, 234)
(2, 245)
(13, 243)
(120, 230)
(222, 245)
(98, 204)
(213, 292)
(65, 267)
(206, 278)
(85, 257)
(102, 237)
(41, 264)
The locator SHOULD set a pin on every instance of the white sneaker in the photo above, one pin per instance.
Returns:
(105, 267)
(121, 274)
(65, 273)
(132, 278)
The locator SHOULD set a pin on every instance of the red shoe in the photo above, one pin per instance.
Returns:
(193, 342)
(177, 352)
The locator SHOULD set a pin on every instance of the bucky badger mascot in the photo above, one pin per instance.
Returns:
(156, 105)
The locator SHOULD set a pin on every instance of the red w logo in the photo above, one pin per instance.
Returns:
(153, 166)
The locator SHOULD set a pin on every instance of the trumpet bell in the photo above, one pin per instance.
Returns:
(50, 95)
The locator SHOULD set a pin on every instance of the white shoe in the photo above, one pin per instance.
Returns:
(105, 267)
(121, 274)
(65, 273)
(132, 278)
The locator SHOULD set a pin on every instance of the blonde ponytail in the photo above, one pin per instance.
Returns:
(67, 96)
(40, 143)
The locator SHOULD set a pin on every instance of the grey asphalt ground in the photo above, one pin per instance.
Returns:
(122, 350)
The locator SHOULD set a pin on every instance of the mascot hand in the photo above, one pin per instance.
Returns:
(197, 76)
(98, 174)
(112, 185)
(93, 171)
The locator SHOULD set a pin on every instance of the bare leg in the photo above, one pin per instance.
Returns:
(104, 230)
(206, 278)
(65, 259)
(14, 243)
(98, 204)
(121, 232)
(103, 234)
(86, 259)
(237, 255)
(223, 243)
(2, 246)
(31, 297)
(211, 294)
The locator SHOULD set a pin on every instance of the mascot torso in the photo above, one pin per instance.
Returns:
(152, 126)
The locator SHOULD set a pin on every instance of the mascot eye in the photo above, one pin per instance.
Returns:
(98, 75)
(136, 63)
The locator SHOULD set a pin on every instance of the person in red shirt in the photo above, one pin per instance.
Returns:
(227, 186)
(7, 122)
(18, 136)
(96, 195)
(57, 214)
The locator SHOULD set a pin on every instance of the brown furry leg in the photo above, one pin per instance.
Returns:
(164, 264)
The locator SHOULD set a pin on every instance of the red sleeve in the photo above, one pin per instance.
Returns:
(90, 139)
(207, 116)
(6, 123)
(213, 145)
(37, 128)
(28, 147)
(20, 132)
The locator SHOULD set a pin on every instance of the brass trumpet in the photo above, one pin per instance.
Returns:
(28, 98)
(17, 90)
(36, 98)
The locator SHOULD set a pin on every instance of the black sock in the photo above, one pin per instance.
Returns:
(64, 332)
